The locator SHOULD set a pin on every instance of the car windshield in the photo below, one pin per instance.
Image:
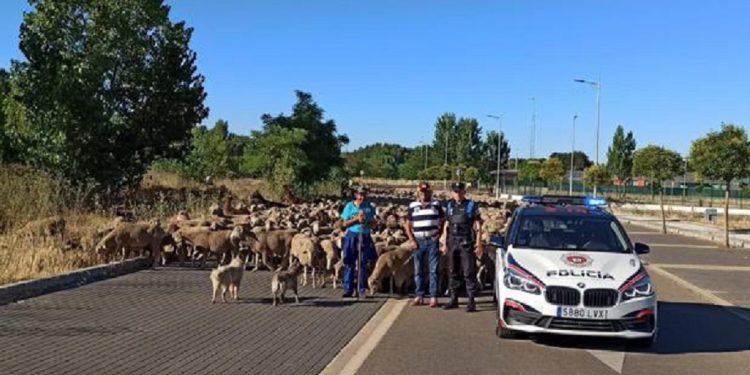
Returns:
(571, 233)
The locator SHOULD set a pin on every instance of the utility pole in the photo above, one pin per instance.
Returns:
(598, 86)
(572, 155)
(532, 145)
(445, 181)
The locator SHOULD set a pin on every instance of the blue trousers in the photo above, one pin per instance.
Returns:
(368, 255)
(427, 247)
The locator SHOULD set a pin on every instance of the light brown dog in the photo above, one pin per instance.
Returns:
(227, 278)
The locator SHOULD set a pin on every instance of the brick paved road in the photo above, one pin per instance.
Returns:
(162, 322)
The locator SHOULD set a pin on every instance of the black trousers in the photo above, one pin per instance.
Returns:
(463, 264)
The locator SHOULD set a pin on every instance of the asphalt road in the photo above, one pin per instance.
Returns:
(704, 322)
(162, 322)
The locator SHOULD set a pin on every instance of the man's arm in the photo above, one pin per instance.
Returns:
(478, 230)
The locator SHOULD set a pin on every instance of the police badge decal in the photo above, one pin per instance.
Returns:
(576, 260)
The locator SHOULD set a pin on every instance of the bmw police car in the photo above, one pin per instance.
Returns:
(568, 267)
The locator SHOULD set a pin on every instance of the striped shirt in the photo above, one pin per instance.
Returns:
(425, 220)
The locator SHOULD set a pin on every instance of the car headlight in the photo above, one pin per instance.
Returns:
(514, 280)
(642, 288)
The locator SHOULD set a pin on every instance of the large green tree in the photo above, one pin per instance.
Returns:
(596, 175)
(552, 171)
(380, 160)
(620, 155)
(468, 142)
(4, 92)
(210, 152)
(725, 156)
(488, 162)
(445, 139)
(106, 87)
(322, 144)
(581, 161)
(277, 154)
(529, 171)
(658, 164)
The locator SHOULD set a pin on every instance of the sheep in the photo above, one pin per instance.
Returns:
(130, 236)
(222, 242)
(274, 243)
(398, 264)
(306, 250)
(227, 279)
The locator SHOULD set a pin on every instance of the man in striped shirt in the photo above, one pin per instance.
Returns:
(424, 226)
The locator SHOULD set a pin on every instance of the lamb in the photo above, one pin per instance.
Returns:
(283, 280)
(227, 279)
(307, 251)
(131, 236)
(397, 264)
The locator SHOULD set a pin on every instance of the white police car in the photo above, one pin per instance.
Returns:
(567, 267)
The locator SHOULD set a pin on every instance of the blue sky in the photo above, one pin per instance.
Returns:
(385, 70)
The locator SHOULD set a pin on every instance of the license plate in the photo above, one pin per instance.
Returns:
(581, 313)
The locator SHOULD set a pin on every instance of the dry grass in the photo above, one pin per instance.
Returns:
(735, 222)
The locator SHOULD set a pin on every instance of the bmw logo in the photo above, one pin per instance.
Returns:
(581, 285)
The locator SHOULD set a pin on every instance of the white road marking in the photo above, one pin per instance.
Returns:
(683, 246)
(613, 360)
(354, 354)
(716, 300)
(644, 232)
(703, 267)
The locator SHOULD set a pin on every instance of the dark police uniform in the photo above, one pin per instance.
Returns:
(461, 217)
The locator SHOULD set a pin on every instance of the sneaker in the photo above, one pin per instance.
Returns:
(452, 304)
(433, 302)
(471, 306)
(347, 295)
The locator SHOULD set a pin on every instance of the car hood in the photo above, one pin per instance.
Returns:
(569, 268)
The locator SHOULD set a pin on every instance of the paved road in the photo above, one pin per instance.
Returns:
(696, 336)
(162, 322)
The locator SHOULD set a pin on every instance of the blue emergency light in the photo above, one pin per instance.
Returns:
(595, 202)
(560, 200)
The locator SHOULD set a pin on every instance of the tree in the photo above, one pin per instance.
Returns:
(106, 87)
(580, 160)
(437, 172)
(552, 171)
(596, 175)
(322, 144)
(209, 155)
(489, 155)
(4, 92)
(276, 154)
(445, 139)
(620, 155)
(379, 160)
(471, 175)
(724, 156)
(467, 143)
(529, 171)
(658, 164)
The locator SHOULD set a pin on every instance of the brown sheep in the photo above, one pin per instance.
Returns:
(48, 227)
(222, 243)
(307, 251)
(274, 244)
(398, 264)
(127, 237)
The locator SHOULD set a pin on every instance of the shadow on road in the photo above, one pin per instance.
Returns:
(683, 328)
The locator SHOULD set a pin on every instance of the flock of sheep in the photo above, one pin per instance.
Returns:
(290, 240)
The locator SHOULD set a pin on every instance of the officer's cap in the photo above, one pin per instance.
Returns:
(458, 186)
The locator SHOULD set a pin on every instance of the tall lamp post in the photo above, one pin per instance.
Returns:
(499, 119)
(598, 86)
(572, 155)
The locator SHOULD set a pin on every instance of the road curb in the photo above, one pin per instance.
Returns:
(32, 288)
(733, 242)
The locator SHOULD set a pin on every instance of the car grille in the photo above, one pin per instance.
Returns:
(600, 297)
(564, 296)
(582, 325)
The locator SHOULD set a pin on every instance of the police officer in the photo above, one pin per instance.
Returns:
(463, 244)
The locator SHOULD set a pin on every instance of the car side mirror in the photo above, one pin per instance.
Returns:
(642, 248)
(497, 240)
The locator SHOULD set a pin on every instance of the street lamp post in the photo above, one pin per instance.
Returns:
(497, 171)
(572, 155)
(598, 86)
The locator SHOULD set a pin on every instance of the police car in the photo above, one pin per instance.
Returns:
(567, 266)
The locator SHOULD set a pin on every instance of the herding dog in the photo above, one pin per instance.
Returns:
(227, 278)
(283, 280)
